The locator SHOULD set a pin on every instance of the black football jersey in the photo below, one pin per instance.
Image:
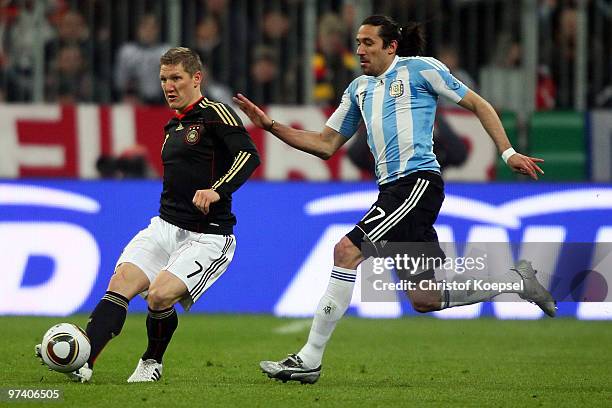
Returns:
(205, 147)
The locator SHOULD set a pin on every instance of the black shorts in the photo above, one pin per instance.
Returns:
(404, 212)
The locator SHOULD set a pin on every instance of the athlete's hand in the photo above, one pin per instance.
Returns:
(525, 165)
(257, 116)
(204, 198)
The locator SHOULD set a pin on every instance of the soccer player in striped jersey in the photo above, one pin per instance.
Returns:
(396, 99)
(207, 155)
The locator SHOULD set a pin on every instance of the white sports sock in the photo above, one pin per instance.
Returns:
(468, 296)
(330, 310)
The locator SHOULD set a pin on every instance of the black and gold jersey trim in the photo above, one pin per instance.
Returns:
(221, 110)
(239, 161)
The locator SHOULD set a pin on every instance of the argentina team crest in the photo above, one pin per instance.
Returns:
(193, 135)
(396, 88)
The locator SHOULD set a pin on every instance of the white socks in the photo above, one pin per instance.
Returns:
(470, 295)
(330, 309)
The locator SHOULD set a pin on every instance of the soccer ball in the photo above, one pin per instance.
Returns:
(65, 347)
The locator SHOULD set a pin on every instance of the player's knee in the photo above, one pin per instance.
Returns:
(424, 306)
(127, 282)
(346, 254)
(158, 298)
(425, 303)
(119, 282)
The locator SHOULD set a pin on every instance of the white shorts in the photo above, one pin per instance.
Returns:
(195, 258)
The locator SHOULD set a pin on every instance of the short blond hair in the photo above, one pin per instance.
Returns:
(182, 55)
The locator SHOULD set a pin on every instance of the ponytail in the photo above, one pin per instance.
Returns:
(411, 42)
(410, 38)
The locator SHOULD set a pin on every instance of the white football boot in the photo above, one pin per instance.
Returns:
(38, 354)
(146, 371)
(81, 375)
(290, 369)
(533, 291)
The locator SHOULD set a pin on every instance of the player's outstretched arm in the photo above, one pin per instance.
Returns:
(520, 163)
(321, 144)
(254, 112)
(491, 123)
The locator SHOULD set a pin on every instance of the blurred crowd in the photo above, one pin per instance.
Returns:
(107, 51)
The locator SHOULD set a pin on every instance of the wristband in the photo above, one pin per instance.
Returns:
(507, 153)
(269, 128)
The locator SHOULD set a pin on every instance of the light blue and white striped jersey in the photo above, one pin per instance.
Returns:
(398, 109)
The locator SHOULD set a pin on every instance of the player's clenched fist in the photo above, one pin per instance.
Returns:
(204, 198)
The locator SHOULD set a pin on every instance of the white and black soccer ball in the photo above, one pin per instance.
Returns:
(65, 347)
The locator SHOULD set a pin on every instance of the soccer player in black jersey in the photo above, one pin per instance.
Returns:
(207, 155)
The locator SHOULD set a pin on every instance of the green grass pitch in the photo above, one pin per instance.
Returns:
(213, 361)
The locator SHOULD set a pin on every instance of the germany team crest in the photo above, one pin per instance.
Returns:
(193, 135)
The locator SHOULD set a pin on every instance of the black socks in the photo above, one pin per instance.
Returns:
(107, 319)
(105, 322)
(161, 324)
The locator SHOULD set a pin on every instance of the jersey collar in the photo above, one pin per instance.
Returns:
(393, 63)
(180, 116)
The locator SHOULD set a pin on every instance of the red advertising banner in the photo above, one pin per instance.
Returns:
(66, 141)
